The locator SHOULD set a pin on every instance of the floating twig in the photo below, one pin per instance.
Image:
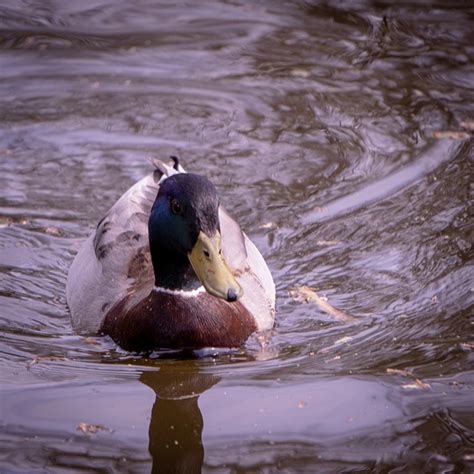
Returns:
(306, 294)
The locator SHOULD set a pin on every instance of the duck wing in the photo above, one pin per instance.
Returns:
(251, 271)
(114, 259)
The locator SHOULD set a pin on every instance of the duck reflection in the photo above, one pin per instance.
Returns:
(175, 434)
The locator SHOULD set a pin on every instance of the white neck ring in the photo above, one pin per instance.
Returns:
(185, 293)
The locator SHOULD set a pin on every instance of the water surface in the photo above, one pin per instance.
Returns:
(315, 120)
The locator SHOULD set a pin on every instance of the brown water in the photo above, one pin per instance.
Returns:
(315, 121)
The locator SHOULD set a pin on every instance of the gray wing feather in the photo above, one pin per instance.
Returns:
(113, 259)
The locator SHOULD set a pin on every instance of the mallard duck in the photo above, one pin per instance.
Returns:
(168, 268)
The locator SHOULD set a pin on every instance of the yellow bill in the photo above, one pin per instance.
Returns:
(208, 262)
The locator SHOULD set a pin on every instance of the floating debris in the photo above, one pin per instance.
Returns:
(38, 359)
(305, 294)
(417, 385)
(328, 243)
(51, 230)
(93, 341)
(89, 428)
(267, 225)
(451, 134)
(319, 209)
(297, 72)
(405, 373)
(5, 221)
(8, 221)
(468, 125)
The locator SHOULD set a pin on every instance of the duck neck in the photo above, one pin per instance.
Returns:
(174, 272)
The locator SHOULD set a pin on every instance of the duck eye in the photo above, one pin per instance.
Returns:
(176, 207)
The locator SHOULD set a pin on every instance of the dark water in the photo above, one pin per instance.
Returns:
(315, 120)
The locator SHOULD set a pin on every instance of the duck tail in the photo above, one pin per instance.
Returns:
(167, 169)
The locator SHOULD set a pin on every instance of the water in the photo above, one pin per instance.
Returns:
(315, 120)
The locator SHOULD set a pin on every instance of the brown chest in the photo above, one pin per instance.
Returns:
(172, 321)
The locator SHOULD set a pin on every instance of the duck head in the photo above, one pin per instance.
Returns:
(185, 238)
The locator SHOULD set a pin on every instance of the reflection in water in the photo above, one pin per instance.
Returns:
(176, 421)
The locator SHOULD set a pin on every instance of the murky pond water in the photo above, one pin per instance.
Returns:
(315, 120)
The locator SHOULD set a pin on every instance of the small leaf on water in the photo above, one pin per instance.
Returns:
(327, 243)
(93, 341)
(451, 134)
(90, 428)
(38, 359)
(405, 373)
(417, 385)
(51, 230)
(468, 125)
